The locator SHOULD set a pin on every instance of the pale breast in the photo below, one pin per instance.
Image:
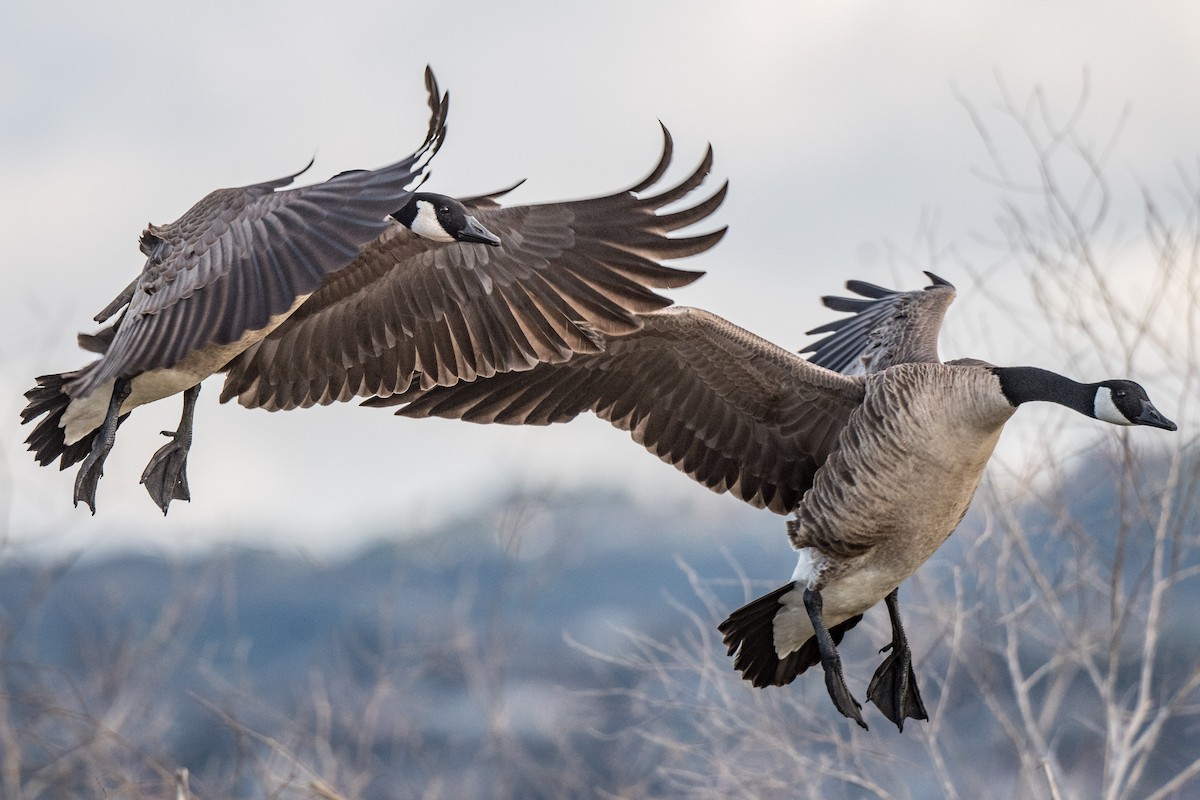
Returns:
(906, 468)
(85, 414)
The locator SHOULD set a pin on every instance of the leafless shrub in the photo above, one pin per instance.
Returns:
(1102, 696)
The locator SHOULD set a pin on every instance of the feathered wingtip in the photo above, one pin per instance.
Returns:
(439, 109)
(488, 200)
(937, 280)
(417, 164)
(888, 327)
(97, 342)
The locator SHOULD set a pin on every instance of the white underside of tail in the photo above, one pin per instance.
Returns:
(808, 564)
(792, 627)
(841, 600)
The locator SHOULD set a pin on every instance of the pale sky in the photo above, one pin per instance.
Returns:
(838, 125)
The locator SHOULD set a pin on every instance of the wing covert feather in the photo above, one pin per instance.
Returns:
(730, 409)
(461, 311)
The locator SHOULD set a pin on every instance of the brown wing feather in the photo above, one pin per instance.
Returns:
(888, 328)
(459, 311)
(728, 408)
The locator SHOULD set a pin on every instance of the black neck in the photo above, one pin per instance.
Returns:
(1023, 384)
(407, 213)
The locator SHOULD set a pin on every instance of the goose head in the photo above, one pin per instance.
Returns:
(443, 219)
(1117, 401)
(1124, 402)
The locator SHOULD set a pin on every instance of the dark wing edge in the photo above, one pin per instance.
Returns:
(663, 224)
(731, 410)
(439, 110)
(651, 241)
(489, 200)
(889, 327)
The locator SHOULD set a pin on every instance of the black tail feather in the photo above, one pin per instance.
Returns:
(48, 440)
(750, 633)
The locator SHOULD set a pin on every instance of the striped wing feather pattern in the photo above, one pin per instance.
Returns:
(733, 411)
(564, 273)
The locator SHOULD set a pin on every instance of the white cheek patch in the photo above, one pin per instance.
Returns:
(426, 223)
(1105, 409)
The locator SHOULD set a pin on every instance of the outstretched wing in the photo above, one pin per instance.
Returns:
(888, 328)
(241, 257)
(730, 409)
(452, 312)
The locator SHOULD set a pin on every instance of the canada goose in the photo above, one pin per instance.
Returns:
(216, 280)
(563, 274)
(876, 468)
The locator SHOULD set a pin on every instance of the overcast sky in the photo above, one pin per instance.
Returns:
(838, 125)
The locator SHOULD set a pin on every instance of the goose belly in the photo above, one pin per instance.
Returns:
(85, 414)
(900, 482)
(893, 538)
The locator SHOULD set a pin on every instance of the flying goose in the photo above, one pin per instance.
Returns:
(221, 277)
(877, 468)
(563, 274)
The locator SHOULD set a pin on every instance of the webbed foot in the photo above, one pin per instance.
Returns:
(894, 687)
(165, 477)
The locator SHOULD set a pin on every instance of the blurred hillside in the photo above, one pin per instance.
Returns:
(546, 647)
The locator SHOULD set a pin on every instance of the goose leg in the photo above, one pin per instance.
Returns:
(92, 468)
(894, 687)
(165, 477)
(835, 682)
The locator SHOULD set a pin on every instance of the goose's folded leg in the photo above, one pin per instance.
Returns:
(92, 468)
(831, 662)
(165, 477)
(894, 687)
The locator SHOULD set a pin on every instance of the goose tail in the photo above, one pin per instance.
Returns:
(49, 400)
(749, 636)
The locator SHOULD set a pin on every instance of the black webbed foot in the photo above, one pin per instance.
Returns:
(894, 687)
(92, 468)
(165, 477)
(835, 682)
